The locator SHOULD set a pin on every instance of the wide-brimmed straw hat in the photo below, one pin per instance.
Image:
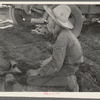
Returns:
(60, 14)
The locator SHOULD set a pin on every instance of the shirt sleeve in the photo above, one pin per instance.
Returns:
(58, 56)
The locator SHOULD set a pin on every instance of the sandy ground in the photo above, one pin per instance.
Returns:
(19, 44)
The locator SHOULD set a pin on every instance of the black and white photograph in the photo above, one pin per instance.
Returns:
(49, 47)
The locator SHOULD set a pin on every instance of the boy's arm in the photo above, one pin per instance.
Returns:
(59, 52)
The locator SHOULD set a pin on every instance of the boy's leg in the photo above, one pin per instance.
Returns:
(68, 81)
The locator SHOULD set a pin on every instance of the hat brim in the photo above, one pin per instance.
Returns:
(67, 24)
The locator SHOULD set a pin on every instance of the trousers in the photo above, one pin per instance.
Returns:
(57, 79)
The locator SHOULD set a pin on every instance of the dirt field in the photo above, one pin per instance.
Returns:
(19, 44)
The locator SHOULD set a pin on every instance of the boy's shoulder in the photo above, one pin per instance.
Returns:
(67, 33)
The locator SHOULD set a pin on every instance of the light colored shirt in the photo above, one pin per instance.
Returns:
(66, 50)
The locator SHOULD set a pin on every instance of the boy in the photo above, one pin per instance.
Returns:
(67, 53)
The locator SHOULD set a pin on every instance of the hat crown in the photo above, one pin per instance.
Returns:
(62, 12)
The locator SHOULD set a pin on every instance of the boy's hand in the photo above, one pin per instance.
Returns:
(32, 72)
(40, 30)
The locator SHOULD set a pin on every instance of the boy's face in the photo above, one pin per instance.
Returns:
(51, 24)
